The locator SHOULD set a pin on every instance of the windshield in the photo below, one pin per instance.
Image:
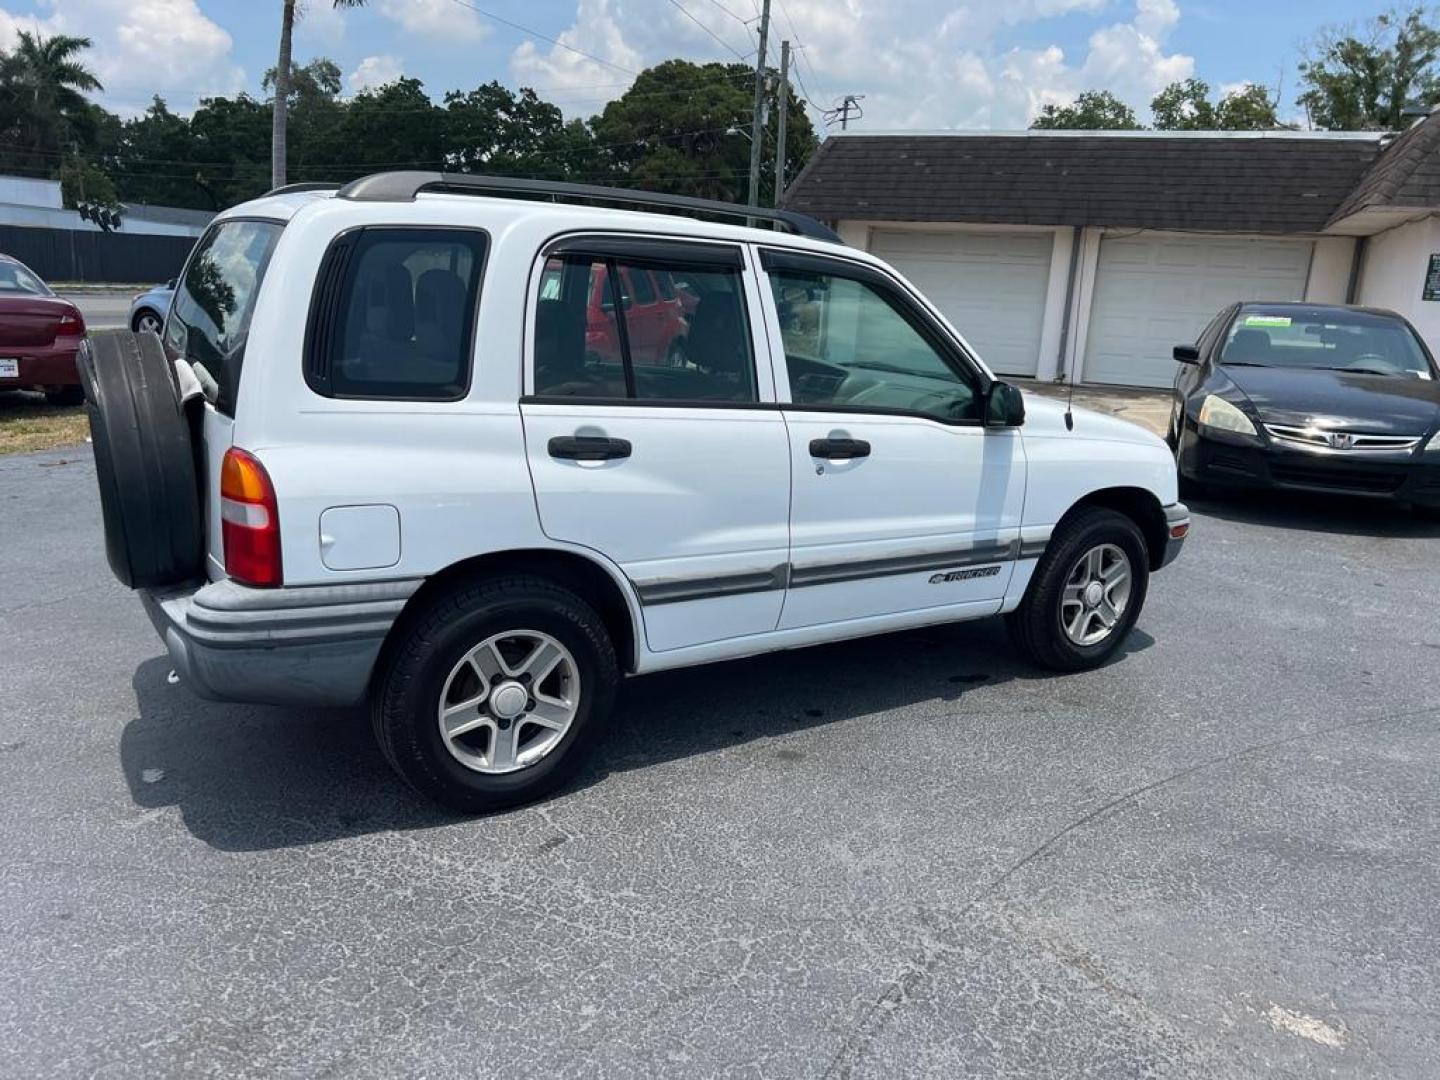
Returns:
(1329, 340)
(15, 278)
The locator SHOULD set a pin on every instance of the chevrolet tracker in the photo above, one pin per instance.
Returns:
(429, 444)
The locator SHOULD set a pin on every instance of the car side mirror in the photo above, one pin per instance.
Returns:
(1186, 354)
(170, 284)
(1004, 406)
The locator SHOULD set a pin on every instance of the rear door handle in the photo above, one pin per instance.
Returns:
(839, 449)
(588, 448)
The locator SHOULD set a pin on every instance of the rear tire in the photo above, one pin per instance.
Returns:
(144, 461)
(1056, 602)
(449, 640)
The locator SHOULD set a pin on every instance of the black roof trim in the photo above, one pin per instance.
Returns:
(309, 185)
(405, 185)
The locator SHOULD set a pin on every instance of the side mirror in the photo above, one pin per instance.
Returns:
(1004, 406)
(1186, 354)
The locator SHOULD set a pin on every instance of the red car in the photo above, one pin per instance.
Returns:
(655, 314)
(39, 336)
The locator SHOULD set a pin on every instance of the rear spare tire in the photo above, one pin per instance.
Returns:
(144, 461)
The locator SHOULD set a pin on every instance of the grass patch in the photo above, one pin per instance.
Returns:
(28, 422)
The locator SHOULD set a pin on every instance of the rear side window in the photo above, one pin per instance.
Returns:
(595, 339)
(210, 317)
(394, 314)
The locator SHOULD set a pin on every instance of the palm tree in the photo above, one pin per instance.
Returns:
(278, 147)
(47, 86)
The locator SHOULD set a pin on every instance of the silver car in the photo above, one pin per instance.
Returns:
(147, 311)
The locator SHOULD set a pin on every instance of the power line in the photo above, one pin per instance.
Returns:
(732, 14)
(543, 37)
(686, 12)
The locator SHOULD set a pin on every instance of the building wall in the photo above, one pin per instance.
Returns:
(1330, 269)
(1063, 343)
(1393, 275)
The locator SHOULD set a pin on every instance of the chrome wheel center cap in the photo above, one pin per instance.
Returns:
(1094, 593)
(507, 701)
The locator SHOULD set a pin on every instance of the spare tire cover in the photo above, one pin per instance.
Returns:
(144, 461)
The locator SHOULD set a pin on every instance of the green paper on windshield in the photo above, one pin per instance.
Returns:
(1267, 320)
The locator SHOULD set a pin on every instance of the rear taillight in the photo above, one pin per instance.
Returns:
(249, 520)
(71, 325)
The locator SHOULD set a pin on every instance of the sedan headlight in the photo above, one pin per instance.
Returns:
(1217, 413)
(1433, 446)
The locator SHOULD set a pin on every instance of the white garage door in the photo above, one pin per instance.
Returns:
(1153, 293)
(991, 286)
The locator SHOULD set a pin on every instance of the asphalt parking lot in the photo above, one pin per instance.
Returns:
(902, 856)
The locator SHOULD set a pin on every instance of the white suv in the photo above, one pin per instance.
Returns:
(473, 457)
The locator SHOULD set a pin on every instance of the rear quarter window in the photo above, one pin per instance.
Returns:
(394, 314)
(214, 301)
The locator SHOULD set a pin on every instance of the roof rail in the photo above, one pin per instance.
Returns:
(404, 186)
(309, 185)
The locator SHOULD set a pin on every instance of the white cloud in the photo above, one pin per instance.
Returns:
(917, 66)
(596, 31)
(375, 71)
(321, 23)
(142, 48)
(436, 20)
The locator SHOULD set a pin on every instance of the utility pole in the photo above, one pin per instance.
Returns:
(757, 129)
(851, 102)
(784, 91)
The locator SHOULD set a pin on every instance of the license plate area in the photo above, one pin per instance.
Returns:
(9, 367)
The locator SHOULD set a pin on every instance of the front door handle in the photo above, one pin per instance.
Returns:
(588, 448)
(839, 449)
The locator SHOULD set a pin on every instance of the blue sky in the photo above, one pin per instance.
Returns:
(920, 63)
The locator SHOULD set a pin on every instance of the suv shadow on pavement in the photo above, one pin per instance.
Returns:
(255, 778)
(1303, 512)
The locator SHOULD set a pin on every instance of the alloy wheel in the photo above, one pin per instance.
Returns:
(509, 701)
(1096, 593)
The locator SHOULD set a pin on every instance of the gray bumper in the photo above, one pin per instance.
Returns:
(314, 645)
(1176, 514)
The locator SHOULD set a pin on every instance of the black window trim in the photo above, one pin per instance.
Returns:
(214, 226)
(906, 306)
(638, 247)
(325, 305)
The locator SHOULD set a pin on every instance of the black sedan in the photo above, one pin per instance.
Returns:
(1313, 397)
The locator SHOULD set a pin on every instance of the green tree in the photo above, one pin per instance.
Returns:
(44, 113)
(289, 9)
(1093, 110)
(395, 126)
(684, 128)
(1364, 79)
(1186, 106)
(491, 130)
(229, 138)
(155, 161)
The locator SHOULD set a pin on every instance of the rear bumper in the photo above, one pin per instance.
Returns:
(315, 645)
(1402, 477)
(52, 365)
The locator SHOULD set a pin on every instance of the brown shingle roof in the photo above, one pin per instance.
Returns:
(1221, 184)
(1406, 175)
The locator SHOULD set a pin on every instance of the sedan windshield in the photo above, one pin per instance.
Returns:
(15, 278)
(1356, 341)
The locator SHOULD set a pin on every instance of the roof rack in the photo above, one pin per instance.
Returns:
(309, 185)
(404, 186)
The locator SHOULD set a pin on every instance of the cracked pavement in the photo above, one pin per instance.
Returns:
(901, 856)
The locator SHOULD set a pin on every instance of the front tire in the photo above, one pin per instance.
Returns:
(1086, 594)
(146, 322)
(496, 693)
